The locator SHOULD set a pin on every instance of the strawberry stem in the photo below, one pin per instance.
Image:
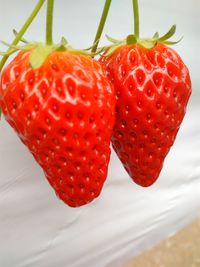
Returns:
(101, 25)
(23, 30)
(136, 19)
(49, 22)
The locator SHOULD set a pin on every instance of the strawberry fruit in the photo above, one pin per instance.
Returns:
(63, 111)
(152, 89)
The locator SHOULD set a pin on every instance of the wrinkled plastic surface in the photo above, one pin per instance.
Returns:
(37, 229)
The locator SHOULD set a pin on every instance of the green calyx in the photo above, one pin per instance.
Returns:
(147, 43)
(153, 41)
(41, 51)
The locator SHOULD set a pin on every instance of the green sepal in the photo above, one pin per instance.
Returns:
(168, 35)
(64, 41)
(12, 51)
(156, 36)
(147, 43)
(131, 39)
(23, 40)
(173, 42)
(91, 47)
(62, 46)
(112, 40)
(18, 47)
(112, 49)
(39, 55)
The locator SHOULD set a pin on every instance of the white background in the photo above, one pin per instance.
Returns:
(36, 229)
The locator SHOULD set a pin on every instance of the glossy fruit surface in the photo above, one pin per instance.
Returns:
(152, 89)
(64, 113)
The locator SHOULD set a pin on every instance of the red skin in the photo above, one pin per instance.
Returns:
(153, 88)
(64, 113)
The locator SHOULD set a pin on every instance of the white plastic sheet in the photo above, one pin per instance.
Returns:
(36, 229)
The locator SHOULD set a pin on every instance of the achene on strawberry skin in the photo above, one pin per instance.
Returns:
(152, 89)
(63, 112)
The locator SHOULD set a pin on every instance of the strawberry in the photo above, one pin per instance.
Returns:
(63, 111)
(153, 87)
(152, 90)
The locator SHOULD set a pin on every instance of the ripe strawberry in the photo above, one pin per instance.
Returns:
(63, 112)
(152, 88)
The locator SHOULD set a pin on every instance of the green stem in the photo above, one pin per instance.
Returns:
(23, 30)
(49, 22)
(136, 18)
(101, 25)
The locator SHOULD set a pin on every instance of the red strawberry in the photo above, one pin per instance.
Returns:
(152, 87)
(64, 113)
